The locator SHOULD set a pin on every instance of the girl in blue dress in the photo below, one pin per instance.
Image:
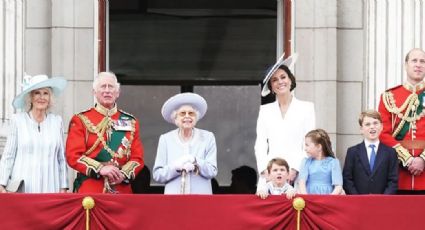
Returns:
(320, 173)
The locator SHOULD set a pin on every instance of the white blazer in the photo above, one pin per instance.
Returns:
(283, 137)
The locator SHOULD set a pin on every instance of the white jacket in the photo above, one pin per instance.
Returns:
(284, 138)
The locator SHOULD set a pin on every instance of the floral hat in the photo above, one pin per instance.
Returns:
(57, 84)
(178, 100)
(290, 62)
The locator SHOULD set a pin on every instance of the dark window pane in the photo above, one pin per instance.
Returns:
(214, 44)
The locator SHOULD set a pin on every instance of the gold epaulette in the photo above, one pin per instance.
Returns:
(393, 88)
(84, 111)
(128, 114)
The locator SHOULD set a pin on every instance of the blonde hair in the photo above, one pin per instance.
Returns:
(28, 99)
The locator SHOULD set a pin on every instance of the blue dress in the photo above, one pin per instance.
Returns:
(321, 175)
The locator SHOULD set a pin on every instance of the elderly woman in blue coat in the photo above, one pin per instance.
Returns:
(186, 159)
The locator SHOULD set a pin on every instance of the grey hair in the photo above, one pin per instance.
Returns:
(174, 113)
(105, 74)
(28, 103)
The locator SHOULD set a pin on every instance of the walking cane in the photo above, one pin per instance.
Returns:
(183, 182)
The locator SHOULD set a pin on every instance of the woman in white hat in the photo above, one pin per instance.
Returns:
(186, 159)
(33, 160)
(282, 124)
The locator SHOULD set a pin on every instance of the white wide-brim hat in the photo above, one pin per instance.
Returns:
(290, 61)
(178, 100)
(57, 84)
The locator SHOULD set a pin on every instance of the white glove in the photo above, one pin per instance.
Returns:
(188, 167)
(179, 163)
(189, 158)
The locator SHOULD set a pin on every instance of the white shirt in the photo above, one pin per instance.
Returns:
(369, 149)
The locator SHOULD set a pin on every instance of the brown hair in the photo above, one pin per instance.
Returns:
(320, 136)
(369, 113)
(278, 161)
(406, 59)
(290, 75)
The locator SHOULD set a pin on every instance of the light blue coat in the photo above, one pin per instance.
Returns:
(170, 148)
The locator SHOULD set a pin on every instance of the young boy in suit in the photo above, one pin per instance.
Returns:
(370, 167)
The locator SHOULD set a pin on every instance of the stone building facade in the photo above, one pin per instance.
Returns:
(350, 51)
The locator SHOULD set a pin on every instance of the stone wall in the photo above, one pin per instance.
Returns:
(329, 39)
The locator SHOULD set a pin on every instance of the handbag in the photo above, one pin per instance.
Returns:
(14, 185)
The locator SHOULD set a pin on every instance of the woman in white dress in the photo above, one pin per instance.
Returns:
(33, 160)
(282, 124)
(186, 159)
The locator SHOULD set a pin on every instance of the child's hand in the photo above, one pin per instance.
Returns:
(262, 194)
(290, 194)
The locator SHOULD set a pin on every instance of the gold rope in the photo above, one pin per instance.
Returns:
(88, 203)
(298, 205)
(100, 130)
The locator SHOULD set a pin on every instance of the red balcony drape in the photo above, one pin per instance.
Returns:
(65, 211)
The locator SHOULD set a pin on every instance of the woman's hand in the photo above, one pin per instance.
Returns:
(188, 167)
(292, 176)
(302, 189)
(337, 190)
(2, 189)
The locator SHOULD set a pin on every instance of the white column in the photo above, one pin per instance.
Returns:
(392, 28)
(11, 59)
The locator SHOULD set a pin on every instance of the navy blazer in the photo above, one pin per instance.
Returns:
(359, 179)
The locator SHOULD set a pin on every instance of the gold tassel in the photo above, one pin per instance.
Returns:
(88, 203)
(299, 205)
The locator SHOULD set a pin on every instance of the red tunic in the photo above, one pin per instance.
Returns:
(391, 121)
(83, 135)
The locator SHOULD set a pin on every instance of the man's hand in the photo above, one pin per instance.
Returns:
(417, 166)
(113, 174)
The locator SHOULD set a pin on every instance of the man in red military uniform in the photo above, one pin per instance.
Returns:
(103, 143)
(403, 118)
